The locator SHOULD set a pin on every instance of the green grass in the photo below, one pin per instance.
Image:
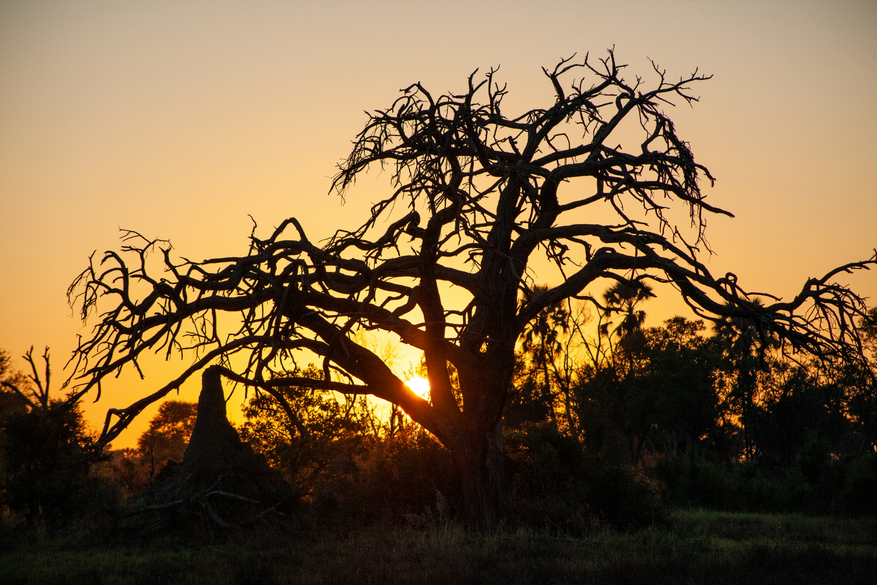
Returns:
(693, 547)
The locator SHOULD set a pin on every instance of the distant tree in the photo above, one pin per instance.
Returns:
(168, 434)
(296, 430)
(863, 403)
(11, 382)
(45, 449)
(868, 326)
(478, 197)
(677, 388)
(533, 399)
(30, 389)
(744, 348)
(345, 458)
(624, 298)
(660, 393)
(824, 406)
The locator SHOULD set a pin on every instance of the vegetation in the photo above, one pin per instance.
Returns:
(655, 424)
(168, 434)
(692, 547)
(46, 453)
(445, 263)
(583, 445)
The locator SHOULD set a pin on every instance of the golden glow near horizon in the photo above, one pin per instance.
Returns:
(419, 386)
(179, 120)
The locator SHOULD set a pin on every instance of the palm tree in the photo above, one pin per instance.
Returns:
(623, 298)
(740, 340)
(541, 346)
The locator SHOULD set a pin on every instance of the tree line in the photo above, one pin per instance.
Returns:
(638, 393)
(608, 420)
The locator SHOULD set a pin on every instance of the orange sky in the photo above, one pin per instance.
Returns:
(177, 119)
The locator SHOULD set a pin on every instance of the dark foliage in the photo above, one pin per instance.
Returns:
(409, 477)
(350, 464)
(555, 482)
(168, 434)
(859, 495)
(657, 394)
(46, 465)
(47, 455)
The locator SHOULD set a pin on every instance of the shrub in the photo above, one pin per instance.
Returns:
(623, 496)
(688, 482)
(553, 481)
(389, 478)
(46, 469)
(858, 495)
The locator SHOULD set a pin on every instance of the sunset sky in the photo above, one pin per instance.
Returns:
(178, 119)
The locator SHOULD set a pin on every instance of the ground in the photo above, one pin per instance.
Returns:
(692, 547)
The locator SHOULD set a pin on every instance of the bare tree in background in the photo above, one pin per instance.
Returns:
(31, 390)
(445, 261)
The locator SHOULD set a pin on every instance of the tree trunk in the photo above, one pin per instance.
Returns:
(478, 456)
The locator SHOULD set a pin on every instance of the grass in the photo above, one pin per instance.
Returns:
(692, 547)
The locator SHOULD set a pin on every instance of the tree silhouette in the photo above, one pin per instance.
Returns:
(31, 389)
(541, 336)
(44, 445)
(868, 326)
(744, 350)
(477, 198)
(624, 298)
(168, 434)
(12, 398)
(534, 396)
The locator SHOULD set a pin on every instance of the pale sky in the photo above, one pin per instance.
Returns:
(178, 119)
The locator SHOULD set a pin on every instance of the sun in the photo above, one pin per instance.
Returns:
(419, 386)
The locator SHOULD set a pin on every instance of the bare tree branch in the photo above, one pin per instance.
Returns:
(477, 197)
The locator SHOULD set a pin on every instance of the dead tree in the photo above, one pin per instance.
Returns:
(445, 261)
(30, 390)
